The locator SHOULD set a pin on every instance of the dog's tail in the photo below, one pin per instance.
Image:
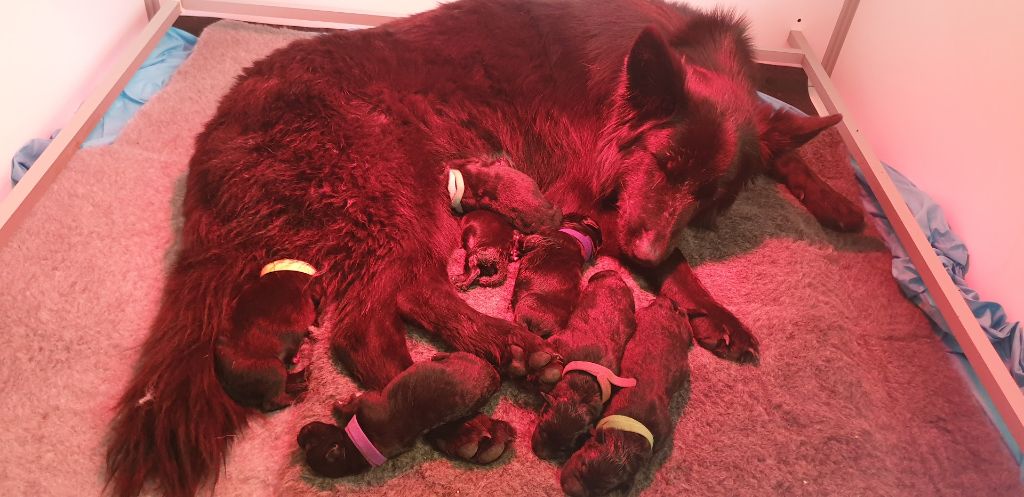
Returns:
(174, 422)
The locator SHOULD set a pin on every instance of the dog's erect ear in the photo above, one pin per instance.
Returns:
(654, 80)
(783, 131)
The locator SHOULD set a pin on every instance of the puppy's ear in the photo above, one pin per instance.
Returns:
(529, 243)
(595, 231)
(654, 79)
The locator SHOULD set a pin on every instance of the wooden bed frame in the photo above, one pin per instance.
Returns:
(991, 371)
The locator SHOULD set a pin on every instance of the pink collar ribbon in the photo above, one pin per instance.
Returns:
(605, 377)
(363, 444)
(585, 242)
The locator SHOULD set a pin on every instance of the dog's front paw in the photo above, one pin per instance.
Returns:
(533, 359)
(831, 209)
(478, 439)
(725, 336)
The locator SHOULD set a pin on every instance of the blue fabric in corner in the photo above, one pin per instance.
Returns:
(1007, 337)
(151, 77)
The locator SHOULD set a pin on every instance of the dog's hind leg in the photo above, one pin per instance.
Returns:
(371, 345)
(431, 303)
(828, 206)
(477, 438)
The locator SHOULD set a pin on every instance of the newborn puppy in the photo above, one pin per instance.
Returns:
(592, 346)
(490, 242)
(382, 425)
(548, 284)
(257, 361)
(493, 184)
(637, 420)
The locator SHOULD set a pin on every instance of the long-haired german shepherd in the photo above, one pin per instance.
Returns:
(639, 113)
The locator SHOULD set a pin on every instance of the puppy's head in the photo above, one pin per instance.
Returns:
(329, 452)
(569, 413)
(498, 187)
(608, 461)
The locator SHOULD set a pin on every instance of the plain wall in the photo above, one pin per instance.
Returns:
(53, 52)
(938, 90)
(770, 20)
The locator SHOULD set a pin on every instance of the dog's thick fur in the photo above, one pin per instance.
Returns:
(603, 322)
(490, 243)
(657, 358)
(255, 359)
(425, 396)
(640, 113)
(548, 282)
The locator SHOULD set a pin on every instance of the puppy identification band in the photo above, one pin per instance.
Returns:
(456, 188)
(288, 265)
(605, 377)
(626, 423)
(363, 444)
(585, 242)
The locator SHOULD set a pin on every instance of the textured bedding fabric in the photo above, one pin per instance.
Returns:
(854, 396)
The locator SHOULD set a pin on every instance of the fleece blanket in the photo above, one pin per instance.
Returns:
(854, 395)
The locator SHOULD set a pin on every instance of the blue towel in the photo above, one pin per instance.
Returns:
(152, 76)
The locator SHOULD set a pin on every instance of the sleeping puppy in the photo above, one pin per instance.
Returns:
(257, 361)
(492, 184)
(382, 425)
(592, 346)
(548, 284)
(490, 242)
(637, 421)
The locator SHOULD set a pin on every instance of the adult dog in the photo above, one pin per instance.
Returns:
(333, 150)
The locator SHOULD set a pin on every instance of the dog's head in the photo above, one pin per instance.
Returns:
(608, 461)
(498, 187)
(570, 410)
(329, 452)
(690, 137)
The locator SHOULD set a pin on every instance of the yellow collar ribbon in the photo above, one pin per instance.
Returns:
(626, 423)
(288, 265)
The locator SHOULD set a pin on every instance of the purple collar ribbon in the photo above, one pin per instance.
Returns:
(605, 377)
(363, 444)
(585, 242)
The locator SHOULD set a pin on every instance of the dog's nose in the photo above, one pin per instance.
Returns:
(647, 249)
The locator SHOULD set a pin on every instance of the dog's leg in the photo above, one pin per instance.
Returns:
(372, 346)
(477, 438)
(830, 208)
(714, 327)
(432, 304)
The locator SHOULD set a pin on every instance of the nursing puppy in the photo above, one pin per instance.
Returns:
(592, 346)
(490, 242)
(548, 284)
(257, 361)
(637, 421)
(381, 425)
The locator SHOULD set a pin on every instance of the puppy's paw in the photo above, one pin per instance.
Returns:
(478, 439)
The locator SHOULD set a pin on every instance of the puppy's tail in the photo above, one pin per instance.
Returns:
(174, 422)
